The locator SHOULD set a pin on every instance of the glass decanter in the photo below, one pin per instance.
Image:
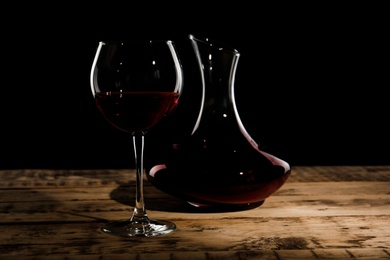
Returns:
(218, 165)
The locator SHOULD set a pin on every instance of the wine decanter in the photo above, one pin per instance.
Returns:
(218, 164)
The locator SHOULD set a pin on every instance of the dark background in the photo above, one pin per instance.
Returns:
(312, 81)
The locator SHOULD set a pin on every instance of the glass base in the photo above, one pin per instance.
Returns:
(126, 228)
(225, 207)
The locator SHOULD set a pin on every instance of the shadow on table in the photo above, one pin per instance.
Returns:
(160, 201)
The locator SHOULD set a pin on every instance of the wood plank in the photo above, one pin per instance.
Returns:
(127, 193)
(369, 254)
(301, 233)
(295, 199)
(107, 211)
(252, 255)
(24, 178)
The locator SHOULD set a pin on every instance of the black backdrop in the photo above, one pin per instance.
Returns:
(311, 83)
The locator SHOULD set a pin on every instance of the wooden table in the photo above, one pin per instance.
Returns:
(338, 212)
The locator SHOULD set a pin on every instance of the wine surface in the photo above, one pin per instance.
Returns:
(135, 111)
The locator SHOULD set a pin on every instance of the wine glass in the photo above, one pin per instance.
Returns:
(135, 84)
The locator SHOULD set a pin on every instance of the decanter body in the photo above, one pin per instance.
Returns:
(218, 164)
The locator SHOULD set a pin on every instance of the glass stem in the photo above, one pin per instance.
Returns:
(139, 214)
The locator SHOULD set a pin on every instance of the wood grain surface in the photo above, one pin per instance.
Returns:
(322, 212)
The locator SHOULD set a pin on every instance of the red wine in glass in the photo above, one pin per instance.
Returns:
(135, 111)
